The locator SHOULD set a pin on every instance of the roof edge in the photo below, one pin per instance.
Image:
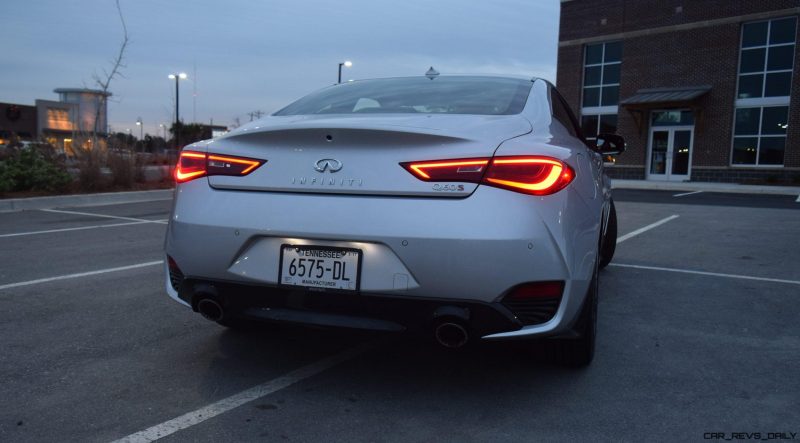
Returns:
(82, 90)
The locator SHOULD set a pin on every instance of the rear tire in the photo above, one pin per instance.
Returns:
(609, 243)
(579, 352)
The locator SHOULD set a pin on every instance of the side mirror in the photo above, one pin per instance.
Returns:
(610, 144)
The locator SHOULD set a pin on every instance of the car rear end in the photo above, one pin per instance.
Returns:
(457, 225)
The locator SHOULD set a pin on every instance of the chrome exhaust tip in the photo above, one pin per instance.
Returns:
(451, 335)
(210, 309)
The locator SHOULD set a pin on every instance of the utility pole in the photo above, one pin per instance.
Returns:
(177, 77)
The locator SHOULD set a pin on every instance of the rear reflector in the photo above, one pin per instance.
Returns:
(192, 165)
(527, 174)
(542, 289)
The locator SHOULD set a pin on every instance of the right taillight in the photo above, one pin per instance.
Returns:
(534, 175)
(530, 175)
(192, 165)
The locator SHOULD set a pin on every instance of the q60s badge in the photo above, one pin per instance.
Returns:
(451, 188)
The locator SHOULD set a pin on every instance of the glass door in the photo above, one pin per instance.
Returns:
(670, 153)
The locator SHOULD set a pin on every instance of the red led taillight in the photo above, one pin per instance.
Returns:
(468, 170)
(530, 175)
(527, 174)
(542, 289)
(192, 165)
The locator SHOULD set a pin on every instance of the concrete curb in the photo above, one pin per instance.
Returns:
(705, 187)
(106, 198)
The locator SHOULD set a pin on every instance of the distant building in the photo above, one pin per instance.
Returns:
(73, 119)
(702, 90)
(17, 122)
(65, 123)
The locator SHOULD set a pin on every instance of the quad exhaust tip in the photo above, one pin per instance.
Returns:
(210, 309)
(451, 335)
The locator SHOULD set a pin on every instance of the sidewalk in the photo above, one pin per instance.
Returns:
(106, 198)
(705, 187)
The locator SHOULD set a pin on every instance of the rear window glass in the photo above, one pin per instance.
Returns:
(410, 95)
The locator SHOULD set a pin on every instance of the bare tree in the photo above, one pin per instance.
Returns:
(90, 158)
(103, 82)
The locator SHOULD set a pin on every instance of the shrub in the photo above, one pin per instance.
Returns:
(34, 169)
(126, 167)
(6, 182)
(122, 166)
(90, 176)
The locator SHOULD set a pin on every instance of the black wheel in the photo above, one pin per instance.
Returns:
(579, 352)
(609, 243)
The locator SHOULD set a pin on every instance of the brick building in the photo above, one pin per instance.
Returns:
(17, 122)
(702, 90)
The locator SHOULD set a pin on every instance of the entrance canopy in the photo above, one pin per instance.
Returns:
(663, 98)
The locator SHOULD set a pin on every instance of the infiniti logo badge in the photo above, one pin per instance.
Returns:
(331, 164)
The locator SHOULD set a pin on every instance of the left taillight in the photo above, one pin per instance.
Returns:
(192, 165)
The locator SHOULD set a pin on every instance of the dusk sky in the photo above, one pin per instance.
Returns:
(247, 56)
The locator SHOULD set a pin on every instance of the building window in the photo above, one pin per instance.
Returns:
(759, 135)
(591, 125)
(58, 119)
(762, 98)
(601, 75)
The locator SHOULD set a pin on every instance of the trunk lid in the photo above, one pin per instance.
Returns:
(360, 154)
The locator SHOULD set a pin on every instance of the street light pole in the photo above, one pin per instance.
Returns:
(346, 63)
(177, 77)
(141, 132)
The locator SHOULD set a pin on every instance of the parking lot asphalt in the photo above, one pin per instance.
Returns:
(698, 334)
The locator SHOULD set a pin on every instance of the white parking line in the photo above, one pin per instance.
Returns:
(226, 404)
(712, 274)
(61, 211)
(646, 228)
(80, 274)
(687, 193)
(80, 228)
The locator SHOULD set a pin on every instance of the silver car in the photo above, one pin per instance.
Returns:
(461, 207)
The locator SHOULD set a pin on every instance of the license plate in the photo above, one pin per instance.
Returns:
(320, 267)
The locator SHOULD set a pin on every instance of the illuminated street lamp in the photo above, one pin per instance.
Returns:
(141, 128)
(347, 64)
(177, 78)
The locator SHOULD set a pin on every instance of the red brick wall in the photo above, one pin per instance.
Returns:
(581, 18)
(25, 125)
(699, 56)
(792, 156)
(702, 56)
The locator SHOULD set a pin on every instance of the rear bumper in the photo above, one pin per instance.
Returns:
(418, 253)
(348, 310)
